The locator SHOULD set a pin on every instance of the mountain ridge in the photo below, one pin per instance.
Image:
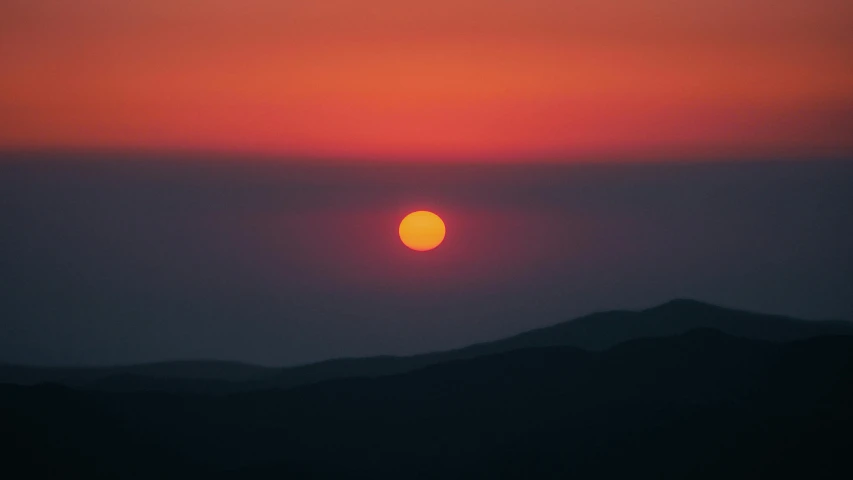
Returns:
(702, 404)
(595, 332)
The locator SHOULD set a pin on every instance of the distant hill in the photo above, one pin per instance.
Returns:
(597, 331)
(699, 405)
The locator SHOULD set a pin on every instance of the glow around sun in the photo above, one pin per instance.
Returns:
(422, 230)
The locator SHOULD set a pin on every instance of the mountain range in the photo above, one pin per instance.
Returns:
(597, 331)
(699, 405)
(682, 390)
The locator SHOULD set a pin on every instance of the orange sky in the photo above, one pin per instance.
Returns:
(443, 79)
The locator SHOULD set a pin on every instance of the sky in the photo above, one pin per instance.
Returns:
(431, 80)
(143, 258)
(225, 179)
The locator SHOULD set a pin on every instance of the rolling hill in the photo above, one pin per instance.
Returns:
(700, 405)
(597, 331)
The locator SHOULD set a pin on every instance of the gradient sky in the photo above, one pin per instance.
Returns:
(585, 155)
(438, 79)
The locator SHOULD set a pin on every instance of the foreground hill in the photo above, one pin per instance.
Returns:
(698, 405)
(592, 332)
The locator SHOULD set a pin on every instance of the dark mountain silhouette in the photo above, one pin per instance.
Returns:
(592, 332)
(702, 404)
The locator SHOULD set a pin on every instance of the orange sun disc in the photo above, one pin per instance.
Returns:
(422, 230)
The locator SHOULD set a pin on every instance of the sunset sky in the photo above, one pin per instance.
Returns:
(438, 79)
(227, 178)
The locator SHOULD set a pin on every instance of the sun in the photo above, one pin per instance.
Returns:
(422, 230)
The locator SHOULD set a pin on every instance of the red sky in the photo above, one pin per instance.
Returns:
(437, 79)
